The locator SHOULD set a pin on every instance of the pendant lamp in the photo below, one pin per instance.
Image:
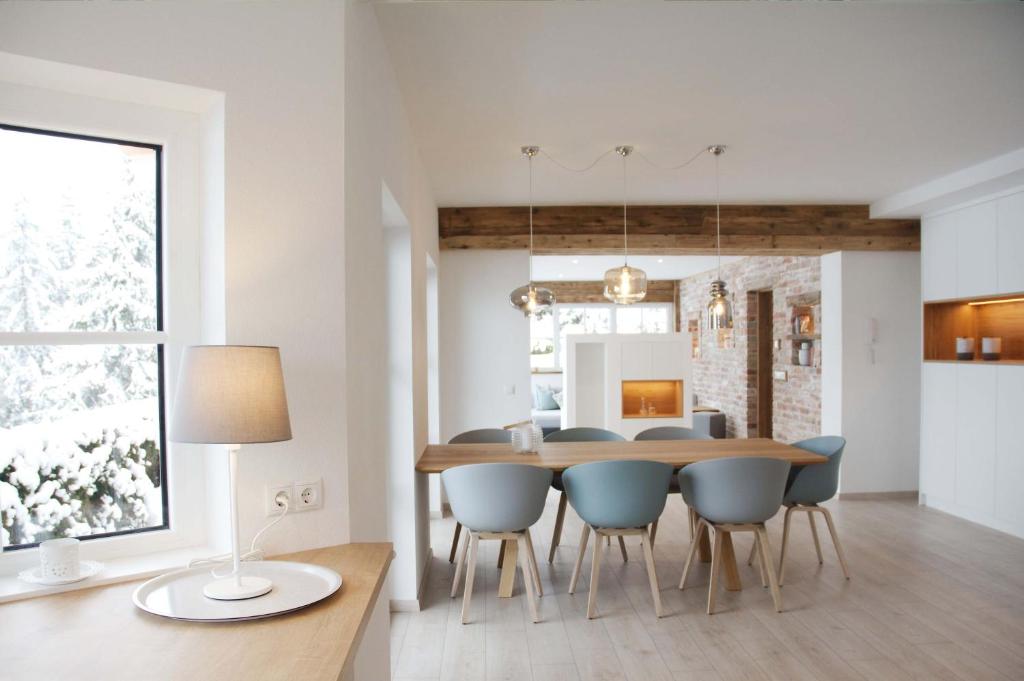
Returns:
(530, 299)
(625, 285)
(719, 307)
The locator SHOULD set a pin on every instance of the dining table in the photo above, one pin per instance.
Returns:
(558, 456)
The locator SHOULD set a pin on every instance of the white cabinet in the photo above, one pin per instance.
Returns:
(938, 257)
(636, 361)
(976, 250)
(938, 431)
(1009, 501)
(1010, 236)
(975, 437)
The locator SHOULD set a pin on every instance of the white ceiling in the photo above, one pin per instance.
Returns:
(593, 267)
(819, 102)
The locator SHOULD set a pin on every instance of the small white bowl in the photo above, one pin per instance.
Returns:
(86, 569)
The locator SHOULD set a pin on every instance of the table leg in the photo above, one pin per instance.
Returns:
(508, 570)
(732, 573)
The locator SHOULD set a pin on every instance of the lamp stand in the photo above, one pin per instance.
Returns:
(235, 586)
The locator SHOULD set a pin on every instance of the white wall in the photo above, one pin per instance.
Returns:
(382, 167)
(870, 390)
(485, 342)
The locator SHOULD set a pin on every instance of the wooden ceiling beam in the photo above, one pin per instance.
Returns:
(677, 230)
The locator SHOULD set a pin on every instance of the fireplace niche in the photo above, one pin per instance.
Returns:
(653, 399)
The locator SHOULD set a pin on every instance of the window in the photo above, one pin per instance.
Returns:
(549, 329)
(81, 338)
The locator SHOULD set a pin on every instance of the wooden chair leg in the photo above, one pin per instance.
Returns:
(533, 563)
(766, 560)
(835, 540)
(467, 595)
(579, 558)
(760, 563)
(595, 573)
(524, 561)
(753, 552)
(622, 548)
(654, 531)
(652, 574)
(692, 517)
(689, 561)
(716, 568)
(501, 554)
(785, 543)
(814, 533)
(455, 542)
(458, 565)
(556, 536)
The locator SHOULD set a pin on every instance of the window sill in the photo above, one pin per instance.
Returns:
(114, 571)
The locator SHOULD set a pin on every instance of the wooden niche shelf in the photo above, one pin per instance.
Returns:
(977, 318)
(660, 399)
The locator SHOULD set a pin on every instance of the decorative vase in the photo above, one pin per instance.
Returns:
(965, 348)
(804, 354)
(991, 348)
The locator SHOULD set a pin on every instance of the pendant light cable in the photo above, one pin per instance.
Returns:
(670, 168)
(718, 214)
(625, 223)
(576, 170)
(529, 161)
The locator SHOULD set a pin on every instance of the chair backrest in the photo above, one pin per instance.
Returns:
(671, 433)
(737, 489)
(482, 436)
(818, 482)
(618, 494)
(583, 435)
(497, 497)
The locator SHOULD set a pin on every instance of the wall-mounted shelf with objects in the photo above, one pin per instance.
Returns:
(999, 317)
(652, 399)
(804, 322)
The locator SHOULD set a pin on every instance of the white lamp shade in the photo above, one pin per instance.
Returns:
(230, 394)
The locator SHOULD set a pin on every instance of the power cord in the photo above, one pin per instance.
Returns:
(253, 553)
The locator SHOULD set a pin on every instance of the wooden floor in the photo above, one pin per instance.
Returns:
(932, 597)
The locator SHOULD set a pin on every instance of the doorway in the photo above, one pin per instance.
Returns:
(763, 361)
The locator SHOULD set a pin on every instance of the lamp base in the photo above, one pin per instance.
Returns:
(232, 589)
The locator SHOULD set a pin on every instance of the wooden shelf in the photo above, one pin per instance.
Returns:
(666, 396)
(1017, 362)
(945, 321)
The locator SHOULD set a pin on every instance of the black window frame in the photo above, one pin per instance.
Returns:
(161, 365)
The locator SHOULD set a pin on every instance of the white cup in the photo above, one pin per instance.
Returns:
(991, 346)
(59, 559)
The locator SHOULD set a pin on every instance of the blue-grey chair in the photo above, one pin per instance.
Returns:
(582, 434)
(497, 501)
(812, 485)
(480, 436)
(616, 498)
(671, 433)
(736, 494)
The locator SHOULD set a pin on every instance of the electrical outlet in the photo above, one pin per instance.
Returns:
(273, 508)
(309, 495)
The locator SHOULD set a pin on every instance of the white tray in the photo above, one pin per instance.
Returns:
(179, 595)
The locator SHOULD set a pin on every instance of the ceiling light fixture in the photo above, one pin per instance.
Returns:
(625, 285)
(531, 299)
(719, 307)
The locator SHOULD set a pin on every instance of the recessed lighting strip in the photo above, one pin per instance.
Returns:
(996, 302)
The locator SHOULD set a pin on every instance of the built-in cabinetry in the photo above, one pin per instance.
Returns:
(972, 413)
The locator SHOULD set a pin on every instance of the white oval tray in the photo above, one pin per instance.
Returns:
(179, 594)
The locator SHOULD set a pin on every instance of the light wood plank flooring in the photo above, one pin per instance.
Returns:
(931, 597)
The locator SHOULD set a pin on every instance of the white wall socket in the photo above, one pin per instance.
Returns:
(302, 496)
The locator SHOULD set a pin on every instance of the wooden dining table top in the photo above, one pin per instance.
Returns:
(561, 455)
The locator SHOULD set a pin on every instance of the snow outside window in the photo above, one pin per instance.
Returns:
(81, 338)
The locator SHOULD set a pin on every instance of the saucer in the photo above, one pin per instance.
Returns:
(86, 569)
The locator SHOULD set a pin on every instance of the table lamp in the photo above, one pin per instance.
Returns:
(231, 395)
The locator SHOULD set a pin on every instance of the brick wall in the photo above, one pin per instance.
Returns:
(726, 377)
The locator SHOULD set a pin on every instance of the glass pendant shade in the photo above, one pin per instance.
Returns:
(625, 285)
(531, 299)
(719, 308)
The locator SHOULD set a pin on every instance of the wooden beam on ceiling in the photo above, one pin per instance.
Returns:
(660, 291)
(677, 230)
